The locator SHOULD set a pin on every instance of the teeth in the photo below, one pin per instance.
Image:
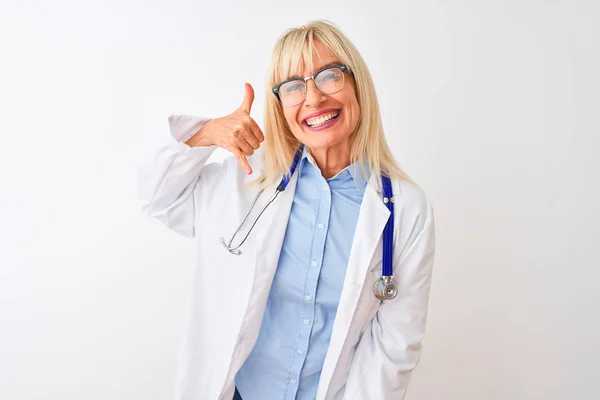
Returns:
(323, 119)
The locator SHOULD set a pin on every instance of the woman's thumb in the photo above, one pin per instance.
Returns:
(248, 98)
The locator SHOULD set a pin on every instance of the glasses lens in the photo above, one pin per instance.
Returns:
(292, 93)
(330, 80)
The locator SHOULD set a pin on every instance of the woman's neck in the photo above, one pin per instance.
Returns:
(331, 160)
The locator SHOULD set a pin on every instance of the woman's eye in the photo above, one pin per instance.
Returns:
(292, 87)
(328, 76)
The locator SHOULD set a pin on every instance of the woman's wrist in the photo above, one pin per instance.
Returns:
(202, 137)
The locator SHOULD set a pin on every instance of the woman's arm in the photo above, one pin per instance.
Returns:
(168, 185)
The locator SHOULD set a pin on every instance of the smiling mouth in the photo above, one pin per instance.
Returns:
(322, 119)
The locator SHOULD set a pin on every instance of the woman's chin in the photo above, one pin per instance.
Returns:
(322, 142)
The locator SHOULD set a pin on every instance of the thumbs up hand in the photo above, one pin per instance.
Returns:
(236, 132)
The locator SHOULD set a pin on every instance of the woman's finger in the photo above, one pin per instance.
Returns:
(241, 159)
(256, 131)
(244, 146)
(252, 139)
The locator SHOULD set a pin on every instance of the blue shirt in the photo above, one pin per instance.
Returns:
(288, 357)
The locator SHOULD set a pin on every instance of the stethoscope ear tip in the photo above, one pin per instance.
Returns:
(233, 251)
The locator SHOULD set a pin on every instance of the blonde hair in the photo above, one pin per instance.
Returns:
(292, 51)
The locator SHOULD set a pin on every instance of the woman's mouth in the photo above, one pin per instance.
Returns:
(322, 121)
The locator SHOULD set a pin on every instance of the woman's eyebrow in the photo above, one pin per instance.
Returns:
(329, 64)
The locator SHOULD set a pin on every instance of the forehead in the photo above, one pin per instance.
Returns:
(306, 60)
(321, 55)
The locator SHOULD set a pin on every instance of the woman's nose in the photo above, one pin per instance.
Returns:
(314, 96)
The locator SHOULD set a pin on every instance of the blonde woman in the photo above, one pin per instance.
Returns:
(313, 259)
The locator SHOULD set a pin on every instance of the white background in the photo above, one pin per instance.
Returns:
(492, 106)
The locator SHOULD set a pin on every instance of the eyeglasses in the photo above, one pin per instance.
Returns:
(328, 80)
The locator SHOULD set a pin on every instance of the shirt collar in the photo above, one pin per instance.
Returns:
(305, 156)
(355, 170)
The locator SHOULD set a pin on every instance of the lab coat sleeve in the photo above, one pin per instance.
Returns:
(167, 185)
(391, 347)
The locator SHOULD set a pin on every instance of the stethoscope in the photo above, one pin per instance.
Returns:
(384, 287)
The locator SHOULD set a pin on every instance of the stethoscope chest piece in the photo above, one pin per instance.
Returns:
(384, 288)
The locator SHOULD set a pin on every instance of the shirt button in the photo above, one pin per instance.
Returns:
(314, 263)
(326, 187)
(306, 321)
(299, 351)
(293, 381)
(308, 297)
(320, 226)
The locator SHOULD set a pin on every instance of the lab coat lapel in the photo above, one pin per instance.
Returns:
(369, 228)
(270, 232)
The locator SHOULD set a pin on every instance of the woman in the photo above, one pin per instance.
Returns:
(294, 315)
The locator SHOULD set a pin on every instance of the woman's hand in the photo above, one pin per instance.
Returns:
(236, 132)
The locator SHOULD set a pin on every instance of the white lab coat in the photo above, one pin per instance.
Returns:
(374, 345)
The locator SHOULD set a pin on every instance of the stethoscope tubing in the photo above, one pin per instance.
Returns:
(384, 287)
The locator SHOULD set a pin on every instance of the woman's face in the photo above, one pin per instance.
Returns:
(309, 120)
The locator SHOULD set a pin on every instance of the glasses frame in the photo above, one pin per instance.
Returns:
(342, 67)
